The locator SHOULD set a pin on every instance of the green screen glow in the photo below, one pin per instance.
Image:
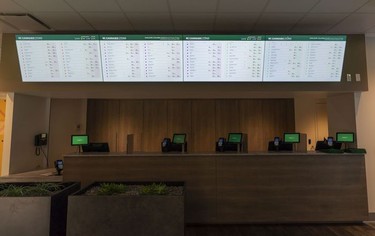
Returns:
(291, 137)
(345, 137)
(179, 138)
(80, 139)
(235, 138)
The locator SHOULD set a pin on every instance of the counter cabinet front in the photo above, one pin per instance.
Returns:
(243, 188)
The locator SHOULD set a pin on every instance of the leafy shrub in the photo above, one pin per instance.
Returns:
(111, 189)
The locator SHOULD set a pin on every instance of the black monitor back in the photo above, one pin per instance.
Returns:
(96, 147)
(282, 146)
(323, 145)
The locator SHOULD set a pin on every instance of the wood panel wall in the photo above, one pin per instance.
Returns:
(203, 126)
(251, 121)
(103, 121)
(155, 113)
(131, 122)
(203, 120)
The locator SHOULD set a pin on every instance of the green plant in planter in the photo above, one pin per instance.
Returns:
(154, 189)
(111, 189)
(43, 189)
(12, 191)
(40, 189)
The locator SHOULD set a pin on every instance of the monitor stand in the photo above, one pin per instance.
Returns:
(183, 148)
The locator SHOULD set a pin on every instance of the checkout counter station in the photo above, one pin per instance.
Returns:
(232, 187)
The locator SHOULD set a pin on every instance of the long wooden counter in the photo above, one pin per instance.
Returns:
(243, 188)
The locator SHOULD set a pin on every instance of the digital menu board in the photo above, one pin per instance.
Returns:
(303, 58)
(181, 58)
(225, 58)
(141, 58)
(53, 58)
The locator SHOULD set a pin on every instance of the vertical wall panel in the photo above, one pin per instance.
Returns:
(154, 124)
(102, 121)
(276, 118)
(341, 115)
(270, 120)
(227, 117)
(290, 116)
(179, 118)
(131, 122)
(321, 117)
(203, 126)
(251, 123)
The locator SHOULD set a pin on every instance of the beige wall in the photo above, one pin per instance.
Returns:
(68, 116)
(365, 118)
(27, 116)
(341, 114)
(30, 117)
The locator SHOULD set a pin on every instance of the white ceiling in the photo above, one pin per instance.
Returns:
(189, 16)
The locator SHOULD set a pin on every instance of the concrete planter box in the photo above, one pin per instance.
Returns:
(144, 215)
(39, 216)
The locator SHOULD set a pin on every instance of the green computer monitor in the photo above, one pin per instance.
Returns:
(179, 138)
(79, 139)
(345, 137)
(235, 137)
(291, 137)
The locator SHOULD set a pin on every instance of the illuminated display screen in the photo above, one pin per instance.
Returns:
(235, 137)
(141, 58)
(181, 58)
(77, 140)
(59, 58)
(225, 58)
(343, 137)
(179, 138)
(291, 137)
(304, 58)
